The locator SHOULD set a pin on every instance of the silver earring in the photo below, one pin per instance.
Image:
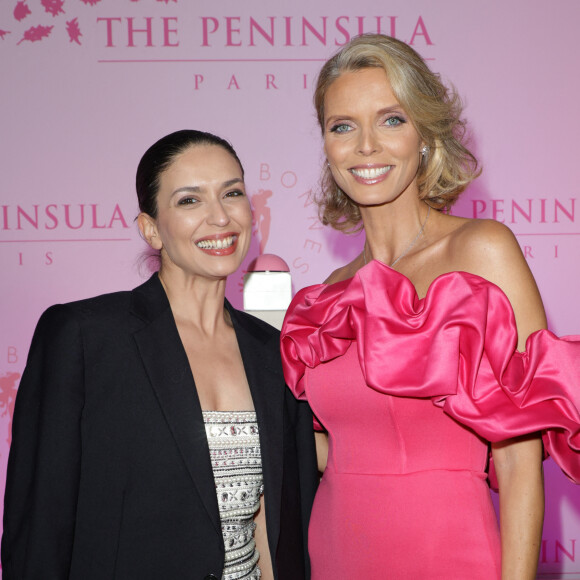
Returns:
(425, 150)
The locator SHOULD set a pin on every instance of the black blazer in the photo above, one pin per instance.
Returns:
(109, 474)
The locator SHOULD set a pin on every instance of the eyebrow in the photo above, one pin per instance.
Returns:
(197, 189)
(393, 109)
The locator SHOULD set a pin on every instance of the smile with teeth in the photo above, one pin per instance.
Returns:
(370, 172)
(221, 244)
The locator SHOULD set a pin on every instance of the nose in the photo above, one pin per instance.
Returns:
(217, 214)
(368, 142)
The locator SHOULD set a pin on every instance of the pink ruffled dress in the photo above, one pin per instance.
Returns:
(411, 391)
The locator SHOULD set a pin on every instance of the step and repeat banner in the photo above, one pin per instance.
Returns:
(87, 85)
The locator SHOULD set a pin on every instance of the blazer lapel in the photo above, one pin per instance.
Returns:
(261, 357)
(170, 375)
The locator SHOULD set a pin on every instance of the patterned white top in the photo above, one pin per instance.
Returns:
(234, 448)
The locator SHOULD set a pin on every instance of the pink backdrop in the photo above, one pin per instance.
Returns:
(87, 85)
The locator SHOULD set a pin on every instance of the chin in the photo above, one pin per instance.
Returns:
(372, 201)
(224, 270)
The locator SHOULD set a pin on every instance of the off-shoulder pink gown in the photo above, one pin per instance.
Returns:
(411, 390)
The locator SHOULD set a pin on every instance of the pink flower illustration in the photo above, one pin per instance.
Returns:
(8, 389)
(74, 32)
(262, 217)
(21, 10)
(35, 33)
(3, 33)
(53, 7)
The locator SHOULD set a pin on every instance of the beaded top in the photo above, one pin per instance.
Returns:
(234, 448)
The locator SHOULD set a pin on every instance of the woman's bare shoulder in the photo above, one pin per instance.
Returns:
(490, 250)
(484, 246)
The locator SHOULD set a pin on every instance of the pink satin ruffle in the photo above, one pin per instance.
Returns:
(456, 346)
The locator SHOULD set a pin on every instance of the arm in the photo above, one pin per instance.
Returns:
(44, 463)
(495, 255)
(321, 439)
(518, 464)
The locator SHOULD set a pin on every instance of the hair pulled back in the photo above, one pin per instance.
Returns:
(162, 154)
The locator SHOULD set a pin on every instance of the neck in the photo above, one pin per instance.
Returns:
(195, 300)
(393, 230)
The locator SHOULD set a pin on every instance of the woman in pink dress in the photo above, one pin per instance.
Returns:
(427, 351)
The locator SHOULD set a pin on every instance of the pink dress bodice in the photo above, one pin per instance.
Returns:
(411, 391)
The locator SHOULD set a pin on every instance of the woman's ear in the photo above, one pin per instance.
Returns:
(148, 230)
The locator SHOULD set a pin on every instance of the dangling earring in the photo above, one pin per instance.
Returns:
(424, 150)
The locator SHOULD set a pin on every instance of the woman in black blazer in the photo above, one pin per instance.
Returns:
(110, 473)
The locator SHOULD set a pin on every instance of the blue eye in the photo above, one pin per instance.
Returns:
(394, 121)
(340, 128)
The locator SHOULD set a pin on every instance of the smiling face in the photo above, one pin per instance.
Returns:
(370, 142)
(204, 222)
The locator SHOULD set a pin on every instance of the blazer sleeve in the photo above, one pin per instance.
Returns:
(44, 463)
(307, 466)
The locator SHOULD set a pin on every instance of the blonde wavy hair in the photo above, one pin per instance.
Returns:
(434, 109)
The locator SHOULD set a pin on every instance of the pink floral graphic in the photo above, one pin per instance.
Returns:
(35, 33)
(8, 389)
(53, 7)
(74, 32)
(262, 217)
(21, 10)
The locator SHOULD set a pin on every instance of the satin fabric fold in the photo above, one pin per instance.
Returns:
(456, 346)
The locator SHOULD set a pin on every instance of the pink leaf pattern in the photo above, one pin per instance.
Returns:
(21, 10)
(35, 33)
(53, 7)
(74, 32)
